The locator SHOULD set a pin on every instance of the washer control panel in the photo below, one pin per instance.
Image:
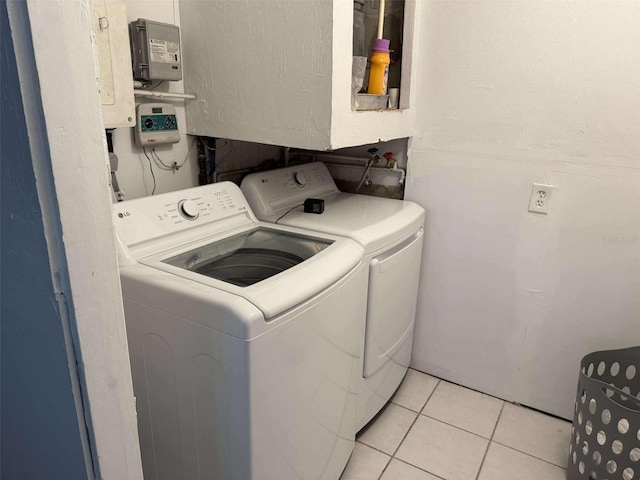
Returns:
(188, 209)
(150, 217)
(275, 190)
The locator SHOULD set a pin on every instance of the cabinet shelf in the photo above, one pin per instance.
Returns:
(279, 73)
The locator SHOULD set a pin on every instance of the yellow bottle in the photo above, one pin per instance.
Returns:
(379, 70)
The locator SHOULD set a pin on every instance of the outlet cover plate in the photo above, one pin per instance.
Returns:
(540, 198)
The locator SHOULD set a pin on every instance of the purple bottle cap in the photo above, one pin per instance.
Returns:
(381, 45)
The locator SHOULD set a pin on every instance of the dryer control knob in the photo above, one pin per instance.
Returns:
(300, 179)
(188, 209)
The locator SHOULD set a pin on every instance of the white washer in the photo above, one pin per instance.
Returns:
(244, 339)
(391, 232)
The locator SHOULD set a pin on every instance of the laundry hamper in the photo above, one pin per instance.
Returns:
(605, 436)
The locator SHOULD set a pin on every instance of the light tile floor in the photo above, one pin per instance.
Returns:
(435, 430)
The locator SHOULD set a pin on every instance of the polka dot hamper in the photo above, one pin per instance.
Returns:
(605, 436)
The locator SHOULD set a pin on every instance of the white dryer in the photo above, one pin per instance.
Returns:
(391, 232)
(244, 339)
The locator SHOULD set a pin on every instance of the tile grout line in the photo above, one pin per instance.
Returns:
(373, 448)
(373, 421)
(408, 430)
(528, 455)
(429, 397)
(515, 449)
(421, 469)
(415, 419)
(495, 427)
(457, 427)
(385, 467)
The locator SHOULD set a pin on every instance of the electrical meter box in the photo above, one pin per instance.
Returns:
(157, 124)
(155, 50)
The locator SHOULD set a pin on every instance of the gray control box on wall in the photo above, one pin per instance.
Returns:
(155, 50)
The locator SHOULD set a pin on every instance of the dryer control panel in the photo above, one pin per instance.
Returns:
(274, 191)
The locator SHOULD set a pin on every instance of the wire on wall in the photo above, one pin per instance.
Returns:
(153, 175)
(174, 165)
(153, 87)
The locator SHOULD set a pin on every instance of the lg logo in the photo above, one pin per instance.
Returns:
(123, 214)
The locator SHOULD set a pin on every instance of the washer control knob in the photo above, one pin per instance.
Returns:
(300, 179)
(188, 209)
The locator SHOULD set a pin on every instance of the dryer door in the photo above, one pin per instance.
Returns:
(391, 304)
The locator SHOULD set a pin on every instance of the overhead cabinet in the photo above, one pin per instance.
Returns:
(279, 73)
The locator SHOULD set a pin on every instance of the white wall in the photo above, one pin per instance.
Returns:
(34, 348)
(66, 378)
(133, 171)
(514, 93)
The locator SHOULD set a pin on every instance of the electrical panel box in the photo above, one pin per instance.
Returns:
(114, 61)
(157, 124)
(155, 50)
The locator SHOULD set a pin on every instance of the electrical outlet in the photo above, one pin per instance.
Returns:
(540, 198)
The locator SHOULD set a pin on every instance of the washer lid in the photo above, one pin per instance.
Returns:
(373, 222)
(276, 269)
